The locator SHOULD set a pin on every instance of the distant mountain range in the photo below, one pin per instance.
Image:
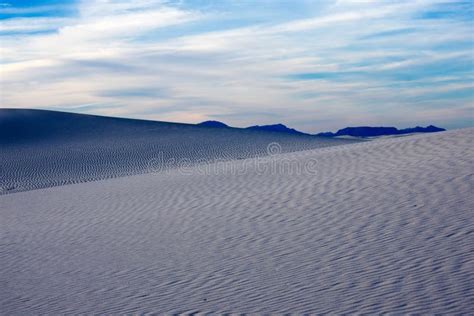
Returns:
(361, 131)
(276, 128)
(368, 131)
(268, 128)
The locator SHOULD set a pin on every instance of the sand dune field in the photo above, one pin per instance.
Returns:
(44, 148)
(371, 227)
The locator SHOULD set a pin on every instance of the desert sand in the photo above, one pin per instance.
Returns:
(48, 148)
(371, 227)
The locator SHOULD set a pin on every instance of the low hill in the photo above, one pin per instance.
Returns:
(212, 124)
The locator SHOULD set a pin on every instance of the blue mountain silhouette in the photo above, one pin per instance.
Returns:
(212, 124)
(360, 131)
(368, 131)
(276, 128)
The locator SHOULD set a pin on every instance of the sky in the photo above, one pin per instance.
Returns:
(312, 65)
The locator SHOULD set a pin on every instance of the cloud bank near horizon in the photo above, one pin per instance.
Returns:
(313, 65)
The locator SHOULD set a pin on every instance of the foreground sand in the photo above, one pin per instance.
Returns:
(383, 226)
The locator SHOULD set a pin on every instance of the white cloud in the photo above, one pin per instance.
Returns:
(32, 24)
(205, 70)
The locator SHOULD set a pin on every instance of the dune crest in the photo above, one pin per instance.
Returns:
(47, 148)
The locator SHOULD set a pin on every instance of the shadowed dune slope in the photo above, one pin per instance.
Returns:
(377, 227)
(45, 148)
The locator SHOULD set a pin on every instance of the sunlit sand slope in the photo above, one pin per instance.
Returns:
(382, 226)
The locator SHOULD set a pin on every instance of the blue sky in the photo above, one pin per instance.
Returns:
(312, 65)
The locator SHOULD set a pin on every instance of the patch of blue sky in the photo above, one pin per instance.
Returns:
(33, 3)
(307, 95)
(466, 121)
(461, 68)
(428, 82)
(271, 10)
(455, 94)
(147, 92)
(411, 76)
(336, 75)
(37, 8)
(395, 32)
(193, 28)
(457, 10)
(51, 30)
(456, 45)
(227, 15)
(373, 61)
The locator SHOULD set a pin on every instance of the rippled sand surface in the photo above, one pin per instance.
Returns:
(41, 149)
(380, 226)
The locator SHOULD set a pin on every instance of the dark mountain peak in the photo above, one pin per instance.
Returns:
(419, 129)
(369, 131)
(366, 131)
(212, 124)
(281, 128)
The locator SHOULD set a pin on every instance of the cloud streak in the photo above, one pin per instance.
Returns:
(325, 65)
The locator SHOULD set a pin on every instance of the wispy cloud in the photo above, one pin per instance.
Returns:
(31, 24)
(312, 65)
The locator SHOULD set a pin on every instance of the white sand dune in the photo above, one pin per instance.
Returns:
(41, 149)
(382, 226)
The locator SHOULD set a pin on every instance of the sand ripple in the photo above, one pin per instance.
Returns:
(384, 226)
(42, 149)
